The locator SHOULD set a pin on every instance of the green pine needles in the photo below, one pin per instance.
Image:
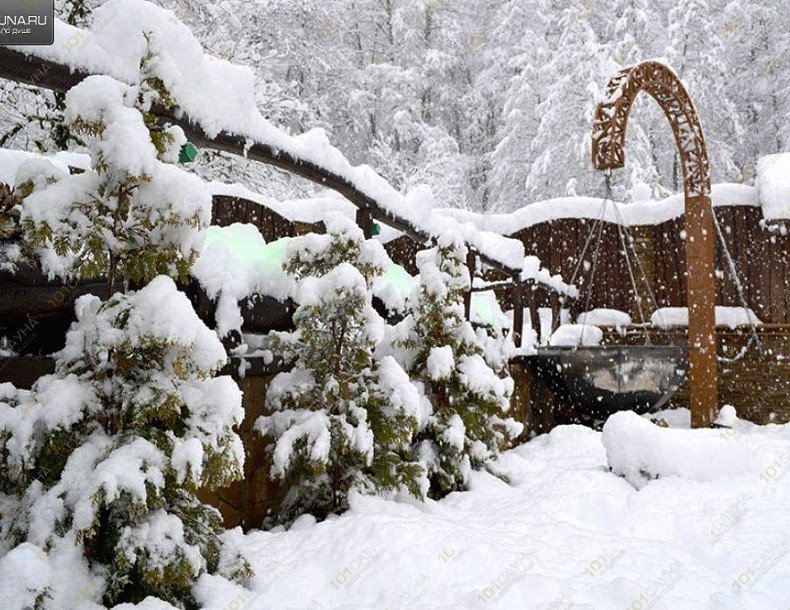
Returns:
(468, 425)
(136, 215)
(341, 421)
(107, 454)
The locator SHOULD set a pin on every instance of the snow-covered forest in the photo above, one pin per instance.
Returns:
(488, 102)
(356, 304)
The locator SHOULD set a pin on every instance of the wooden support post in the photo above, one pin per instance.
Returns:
(703, 391)
(556, 311)
(365, 221)
(471, 265)
(574, 305)
(608, 153)
(518, 312)
(534, 315)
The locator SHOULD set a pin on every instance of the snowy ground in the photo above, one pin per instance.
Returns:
(567, 534)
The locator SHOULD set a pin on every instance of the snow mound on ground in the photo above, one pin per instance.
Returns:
(153, 603)
(727, 416)
(673, 417)
(61, 574)
(566, 533)
(217, 593)
(641, 451)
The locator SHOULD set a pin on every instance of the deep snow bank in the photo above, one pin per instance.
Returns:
(639, 450)
(567, 533)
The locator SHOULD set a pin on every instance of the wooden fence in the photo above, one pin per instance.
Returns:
(761, 257)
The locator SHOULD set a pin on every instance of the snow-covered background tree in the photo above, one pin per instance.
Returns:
(697, 54)
(33, 117)
(447, 92)
(105, 456)
(340, 421)
(561, 146)
(468, 423)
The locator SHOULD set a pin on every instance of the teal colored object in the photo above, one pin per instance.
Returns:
(376, 228)
(188, 153)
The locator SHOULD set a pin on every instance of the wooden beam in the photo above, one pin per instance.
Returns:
(365, 221)
(556, 312)
(43, 73)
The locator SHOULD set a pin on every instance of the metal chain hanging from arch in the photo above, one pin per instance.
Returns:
(608, 153)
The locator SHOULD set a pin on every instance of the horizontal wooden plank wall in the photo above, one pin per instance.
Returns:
(403, 250)
(227, 210)
(761, 257)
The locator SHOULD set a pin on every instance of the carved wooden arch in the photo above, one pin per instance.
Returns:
(663, 85)
(608, 153)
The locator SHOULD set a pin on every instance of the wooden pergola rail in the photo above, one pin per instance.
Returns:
(47, 74)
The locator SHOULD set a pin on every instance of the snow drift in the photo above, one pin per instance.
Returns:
(641, 451)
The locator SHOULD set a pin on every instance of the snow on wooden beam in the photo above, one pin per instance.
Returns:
(38, 72)
(44, 73)
(49, 75)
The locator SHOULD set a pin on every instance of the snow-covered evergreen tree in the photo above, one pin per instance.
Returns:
(756, 36)
(521, 45)
(468, 424)
(578, 71)
(137, 215)
(696, 53)
(340, 421)
(106, 455)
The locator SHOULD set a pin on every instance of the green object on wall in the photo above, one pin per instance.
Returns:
(188, 153)
(376, 229)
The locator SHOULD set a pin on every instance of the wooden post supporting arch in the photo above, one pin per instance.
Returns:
(608, 152)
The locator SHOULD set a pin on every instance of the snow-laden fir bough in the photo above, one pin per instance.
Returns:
(137, 215)
(104, 458)
(468, 423)
(341, 420)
